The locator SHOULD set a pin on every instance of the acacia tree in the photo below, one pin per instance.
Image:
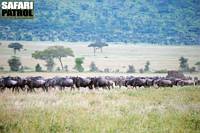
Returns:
(98, 45)
(59, 52)
(53, 52)
(46, 56)
(15, 46)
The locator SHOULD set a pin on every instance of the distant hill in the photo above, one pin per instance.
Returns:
(143, 21)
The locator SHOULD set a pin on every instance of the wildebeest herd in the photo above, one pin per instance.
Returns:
(30, 84)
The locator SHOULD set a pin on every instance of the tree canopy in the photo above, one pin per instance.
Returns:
(53, 52)
(15, 46)
(98, 45)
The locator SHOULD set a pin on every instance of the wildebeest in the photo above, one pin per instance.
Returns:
(105, 82)
(102, 82)
(9, 82)
(36, 82)
(2, 85)
(82, 82)
(65, 82)
(163, 83)
(185, 82)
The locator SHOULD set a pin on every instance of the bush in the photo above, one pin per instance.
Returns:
(93, 67)
(117, 71)
(78, 66)
(183, 64)
(38, 68)
(106, 70)
(50, 64)
(66, 68)
(146, 67)
(14, 63)
(141, 70)
(192, 69)
(58, 69)
(1, 68)
(131, 69)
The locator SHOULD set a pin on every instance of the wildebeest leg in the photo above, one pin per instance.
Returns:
(72, 88)
(109, 87)
(2, 89)
(90, 87)
(17, 88)
(13, 89)
(60, 88)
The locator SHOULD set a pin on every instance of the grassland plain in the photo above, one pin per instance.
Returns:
(117, 56)
(146, 110)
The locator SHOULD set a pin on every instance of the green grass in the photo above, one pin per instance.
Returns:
(147, 110)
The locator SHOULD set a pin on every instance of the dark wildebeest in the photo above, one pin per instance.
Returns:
(82, 82)
(130, 82)
(185, 82)
(21, 83)
(2, 85)
(10, 83)
(119, 81)
(163, 82)
(65, 82)
(102, 82)
(36, 82)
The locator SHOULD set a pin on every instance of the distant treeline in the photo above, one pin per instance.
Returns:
(134, 21)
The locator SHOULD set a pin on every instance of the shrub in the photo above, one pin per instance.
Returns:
(14, 63)
(192, 69)
(38, 68)
(93, 67)
(106, 70)
(1, 68)
(146, 67)
(141, 70)
(66, 68)
(184, 66)
(58, 69)
(78, 66)
(131, 69)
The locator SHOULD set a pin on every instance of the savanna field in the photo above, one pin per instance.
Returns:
(147, 110)
(140, 110)
(52, 81)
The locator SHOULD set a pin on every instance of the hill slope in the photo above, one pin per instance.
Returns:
(148, 21)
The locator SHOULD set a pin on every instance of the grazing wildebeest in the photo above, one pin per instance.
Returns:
(65, 82)
(163, 83)
(10, 83)
(196, 81)
(130, 82)
(36, 82)
(82, 82)
(2, 85)
(21, 83)
(102, 82)
(119, 81)
(185, 82)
